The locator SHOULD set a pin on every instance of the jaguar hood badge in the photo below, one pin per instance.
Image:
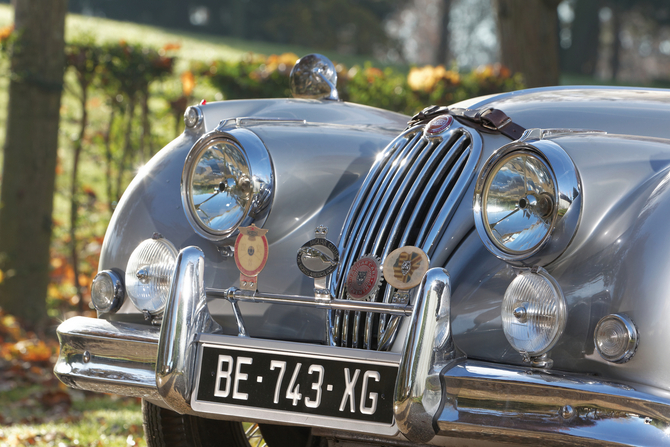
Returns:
(439, 125)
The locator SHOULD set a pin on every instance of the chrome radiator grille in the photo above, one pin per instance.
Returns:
(408, 198)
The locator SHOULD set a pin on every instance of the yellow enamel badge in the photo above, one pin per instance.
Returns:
(404, 267)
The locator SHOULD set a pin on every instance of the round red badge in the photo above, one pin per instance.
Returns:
(364, 278)
(439, 124)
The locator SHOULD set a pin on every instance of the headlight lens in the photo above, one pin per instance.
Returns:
(518, 202)
(527, 202)
(218, 188)
(149, 274)
(533, 313)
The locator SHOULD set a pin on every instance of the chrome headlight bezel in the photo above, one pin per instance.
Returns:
(260, 181)
(566, 207)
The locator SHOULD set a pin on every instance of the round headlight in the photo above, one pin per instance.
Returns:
(616, 338)
(518, 203)
(149, 274)
(533, 313)
(227, 182)
(219, 187)
(527, 202)
(107, 291)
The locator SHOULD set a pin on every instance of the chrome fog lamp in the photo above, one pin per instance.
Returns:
(616, 338)
(533, 313)
(149, 274)
(107, 292)
(527, 202)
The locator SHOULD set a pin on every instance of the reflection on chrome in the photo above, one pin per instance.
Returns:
(518, 200)
(220, 186)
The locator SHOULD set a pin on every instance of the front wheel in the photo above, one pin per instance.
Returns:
(166, 428)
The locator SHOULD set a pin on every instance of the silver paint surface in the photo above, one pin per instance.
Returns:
(617, 262)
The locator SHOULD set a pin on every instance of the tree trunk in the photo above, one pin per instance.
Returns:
(111, 199)
(443, 51)
(30, 155)
(528, 32)
(74, 186)
(616, 42)
(127, 146)
(581, 57)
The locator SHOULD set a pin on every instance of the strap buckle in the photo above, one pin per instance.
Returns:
(494, 119)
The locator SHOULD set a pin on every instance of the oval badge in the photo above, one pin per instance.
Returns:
(439, 124)
(404, 267)
(364, 278)
(251, 250)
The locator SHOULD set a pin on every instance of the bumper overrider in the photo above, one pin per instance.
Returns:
(438, 392)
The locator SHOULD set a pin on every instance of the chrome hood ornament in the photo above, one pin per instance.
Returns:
(314, 77)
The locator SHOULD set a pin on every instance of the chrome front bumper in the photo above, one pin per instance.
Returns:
(438, 392)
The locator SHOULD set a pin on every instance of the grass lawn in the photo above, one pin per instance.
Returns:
(88, 421)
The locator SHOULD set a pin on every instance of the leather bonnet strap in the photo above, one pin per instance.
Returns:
(492, 120)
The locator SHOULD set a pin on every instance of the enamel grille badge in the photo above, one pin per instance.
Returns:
(438, 125)
(404, 267)
(319, 257)
(364, 278)
(251, 254)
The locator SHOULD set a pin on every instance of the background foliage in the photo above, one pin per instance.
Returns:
(124, 100)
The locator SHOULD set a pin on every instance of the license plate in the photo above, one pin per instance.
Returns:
(322, 383)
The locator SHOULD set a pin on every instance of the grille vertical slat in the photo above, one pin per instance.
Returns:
(371, 243)
(378, 170)
(376, 191)
(388, 238)
(361, 227)
(446, 210)
(338, 324)
(404, 169)
(418, 180)
(385, 330)
(383, 182)
(436, 189)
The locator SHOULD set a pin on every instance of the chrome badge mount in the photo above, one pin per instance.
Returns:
(317, 259)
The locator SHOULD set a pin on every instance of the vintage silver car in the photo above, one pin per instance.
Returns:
(326, 273)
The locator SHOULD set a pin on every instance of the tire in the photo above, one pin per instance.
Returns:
(166, 428)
